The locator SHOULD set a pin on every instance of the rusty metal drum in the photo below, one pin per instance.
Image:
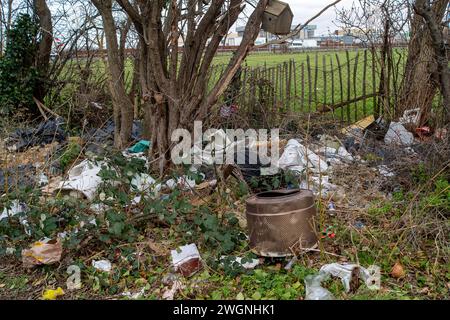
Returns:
(281, 221)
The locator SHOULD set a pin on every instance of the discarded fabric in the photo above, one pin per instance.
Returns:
(45, 133)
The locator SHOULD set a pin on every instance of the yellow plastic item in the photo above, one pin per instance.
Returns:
(51, 294)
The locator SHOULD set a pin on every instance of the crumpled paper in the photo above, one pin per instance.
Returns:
(42, 252)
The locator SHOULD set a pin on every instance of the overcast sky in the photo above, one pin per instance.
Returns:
(305, 9)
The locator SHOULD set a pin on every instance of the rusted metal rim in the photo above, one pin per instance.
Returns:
(280, 214)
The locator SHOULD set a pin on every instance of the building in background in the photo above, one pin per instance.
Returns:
(307, 33)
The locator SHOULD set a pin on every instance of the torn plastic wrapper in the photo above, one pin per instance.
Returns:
(169, 294)
(249, 265)
(346, 272)
(139, 147)
(314, 290)
(17, 208)
(386, 171)
(102, 265)
(214, 152)
(411, 116)
(100, 139)
(184, 183)
(45, 133)
(145, 183)
(22, 175)
(51, 294)
(146, 186)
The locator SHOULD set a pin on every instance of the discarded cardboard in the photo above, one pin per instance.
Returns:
(362, 124)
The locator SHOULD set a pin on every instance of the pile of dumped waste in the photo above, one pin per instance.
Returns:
(311, 161)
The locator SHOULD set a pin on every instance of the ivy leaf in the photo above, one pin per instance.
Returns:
(117, 228)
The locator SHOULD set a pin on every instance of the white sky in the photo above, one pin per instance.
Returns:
(306, 9)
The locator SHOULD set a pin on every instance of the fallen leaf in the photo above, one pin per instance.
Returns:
(425, 290)
(157, 248)
(196, 202)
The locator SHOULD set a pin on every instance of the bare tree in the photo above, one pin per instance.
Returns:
(122, 105)
(8, 11)
(174, 80)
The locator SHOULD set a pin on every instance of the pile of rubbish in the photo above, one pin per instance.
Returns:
(311, 162)
(98, 140)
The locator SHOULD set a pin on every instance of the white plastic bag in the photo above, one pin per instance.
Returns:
(145, 183)
(297, 157)
(314, 290)
(83, 179)
(398, 135)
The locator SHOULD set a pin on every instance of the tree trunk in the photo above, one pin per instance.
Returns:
(122, 105)
(420, 81)
(45, 47)
(440, 52)
(383, 105)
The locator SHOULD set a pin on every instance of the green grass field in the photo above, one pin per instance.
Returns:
(298, 82)
(327, 78)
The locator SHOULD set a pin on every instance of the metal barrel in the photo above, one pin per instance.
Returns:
(281, 222)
